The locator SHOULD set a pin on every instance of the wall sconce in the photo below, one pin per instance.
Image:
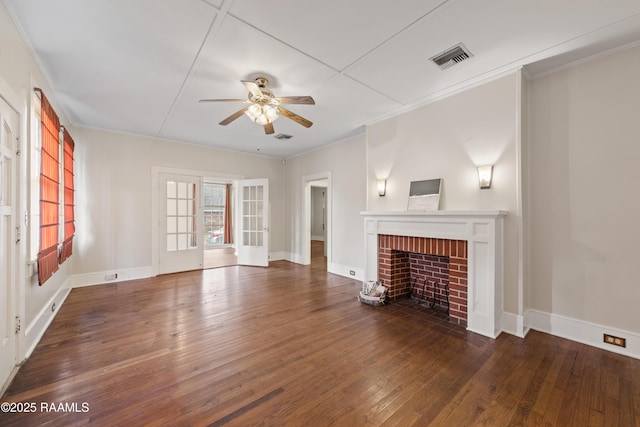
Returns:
(485, 173)
(382, 187)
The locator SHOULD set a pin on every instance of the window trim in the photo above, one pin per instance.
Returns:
(35, 148)
(67, 188)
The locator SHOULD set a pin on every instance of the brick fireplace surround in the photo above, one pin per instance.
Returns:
(401, 259)
(471, 240)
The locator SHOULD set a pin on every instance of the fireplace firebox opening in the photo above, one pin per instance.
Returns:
(427, 269)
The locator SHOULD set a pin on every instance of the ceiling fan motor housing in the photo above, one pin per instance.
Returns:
(262, 82)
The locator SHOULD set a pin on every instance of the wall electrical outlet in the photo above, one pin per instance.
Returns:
(352, 273)
(610, 339)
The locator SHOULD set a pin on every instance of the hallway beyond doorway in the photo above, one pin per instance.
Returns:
(318, 259)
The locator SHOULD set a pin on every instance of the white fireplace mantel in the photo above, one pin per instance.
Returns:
(484, 233)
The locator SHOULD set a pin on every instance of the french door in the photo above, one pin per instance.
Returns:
(253, 222)
(9, 239)
(180, 245)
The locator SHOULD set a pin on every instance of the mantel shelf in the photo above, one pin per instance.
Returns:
(477, 214)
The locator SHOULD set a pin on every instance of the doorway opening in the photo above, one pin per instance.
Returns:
(243, 215)
(316, 237)
(217, 226)
(318, 223)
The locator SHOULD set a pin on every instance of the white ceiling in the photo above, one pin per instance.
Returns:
(141, 66)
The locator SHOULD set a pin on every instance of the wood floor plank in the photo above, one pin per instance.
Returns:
(291, 345)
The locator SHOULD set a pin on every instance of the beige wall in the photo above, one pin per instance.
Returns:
(583, 191)
(448, 139)
(346, 163)
(113, 201)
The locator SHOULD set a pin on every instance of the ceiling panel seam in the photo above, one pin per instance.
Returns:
(213, 29)
(392, 37)
(343, 71)
(284, 43)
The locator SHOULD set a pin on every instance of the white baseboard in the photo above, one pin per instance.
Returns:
(320, 238)
(9, 380)
(100, 278)
(514, 324)
(36, 329)
(291, 257)
(277, 256)
(583, 332)
(346, 271)
(332, 267)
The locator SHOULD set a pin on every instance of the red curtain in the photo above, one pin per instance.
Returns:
(69, 224)
(228, 236)
(49, 187)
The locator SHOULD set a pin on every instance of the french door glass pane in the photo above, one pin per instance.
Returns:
(172, 242)
(181, 216)
(252, 214)
(171, 226)
(171, 190)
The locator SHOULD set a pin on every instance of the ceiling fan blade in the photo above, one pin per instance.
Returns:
(233, 116)
(296, 100)
(223, 100)
(268, 128)
(293, 116)
(253, 88)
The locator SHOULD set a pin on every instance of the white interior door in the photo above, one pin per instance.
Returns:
(8, 239)
(180, 237)
(253, 222)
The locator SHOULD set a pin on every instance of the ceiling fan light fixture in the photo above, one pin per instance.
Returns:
(262, 114)
(262, 107)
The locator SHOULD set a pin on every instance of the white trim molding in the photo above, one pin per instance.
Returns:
(514, 324)
(36, 329)
(277, 256)
(294, 257)
(345, 271)
(110, 276)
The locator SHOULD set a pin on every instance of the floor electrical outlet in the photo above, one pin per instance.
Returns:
(610, 339)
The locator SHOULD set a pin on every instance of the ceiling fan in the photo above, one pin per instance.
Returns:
(263, 107)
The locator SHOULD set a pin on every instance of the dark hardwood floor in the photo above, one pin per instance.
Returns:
(290, 345)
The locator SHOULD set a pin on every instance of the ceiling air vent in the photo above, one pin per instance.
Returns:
(282, 136)
(452, 56)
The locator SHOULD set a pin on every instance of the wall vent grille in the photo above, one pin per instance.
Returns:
(451, 56)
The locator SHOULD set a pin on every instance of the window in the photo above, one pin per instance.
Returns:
(214, 200)
(49, 191)
(52, 215)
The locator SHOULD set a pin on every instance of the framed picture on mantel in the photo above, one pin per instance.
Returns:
(425, 195)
